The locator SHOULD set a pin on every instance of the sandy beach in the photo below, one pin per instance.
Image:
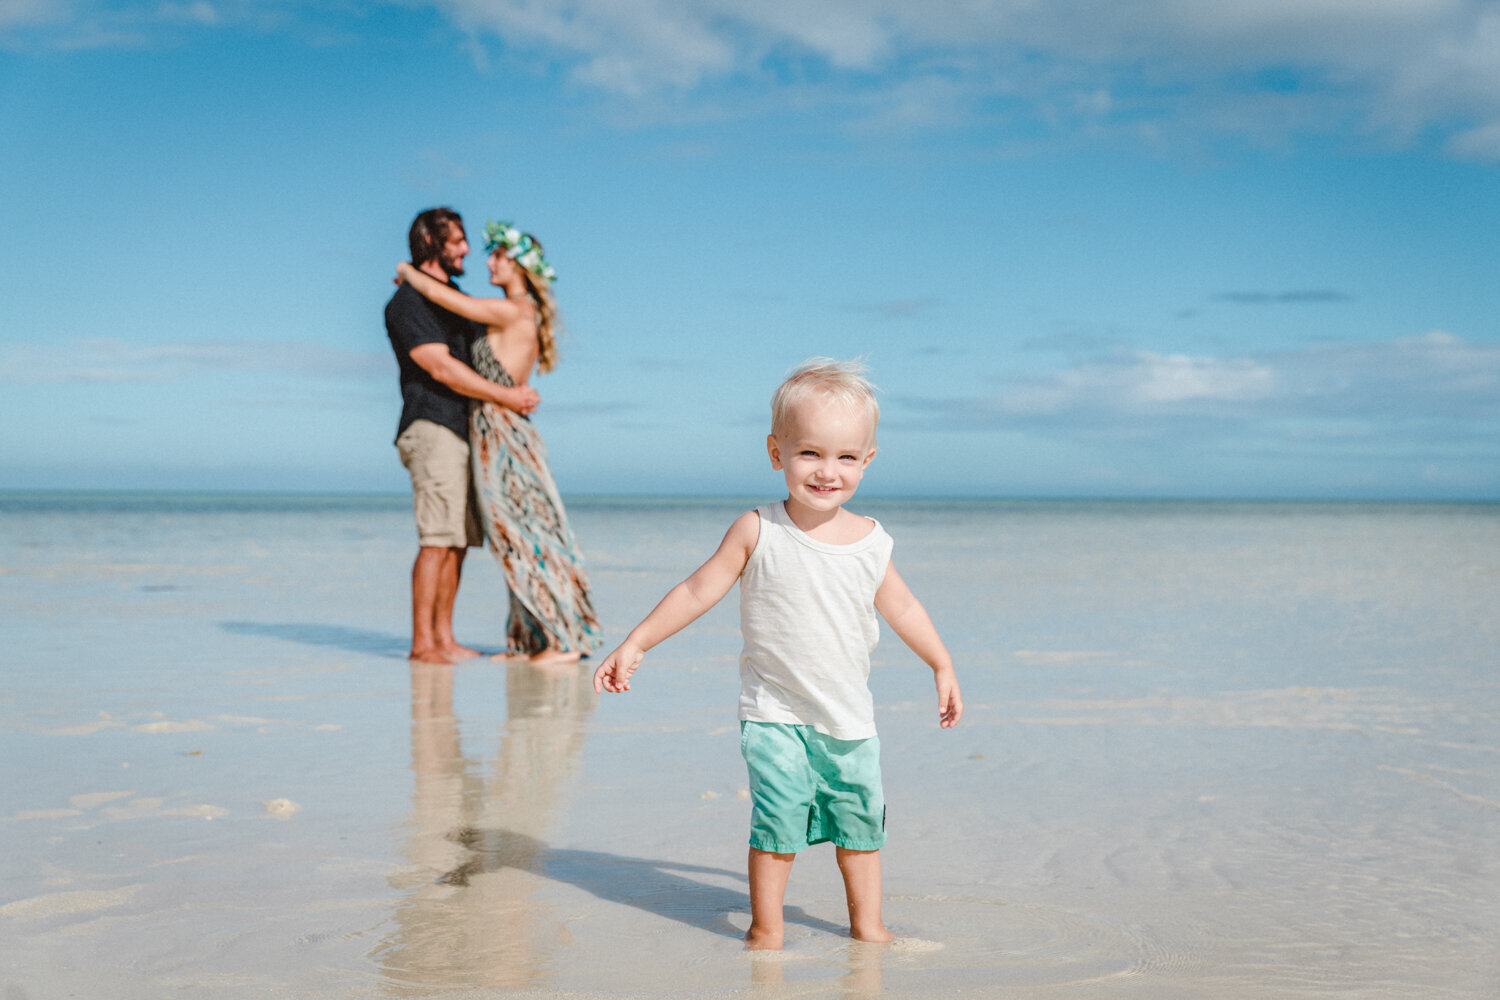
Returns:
(1209, 750)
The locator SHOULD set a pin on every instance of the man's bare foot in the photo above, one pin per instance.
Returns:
(429, 654)
(758, 940)
(459, 652)
(550, 656)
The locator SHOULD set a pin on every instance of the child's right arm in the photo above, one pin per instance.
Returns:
(683, 605)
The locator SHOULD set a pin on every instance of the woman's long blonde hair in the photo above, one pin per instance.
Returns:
(547, 325)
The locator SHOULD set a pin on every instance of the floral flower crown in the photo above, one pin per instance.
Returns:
(519, 247)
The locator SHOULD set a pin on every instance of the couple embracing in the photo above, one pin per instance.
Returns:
(478, 466)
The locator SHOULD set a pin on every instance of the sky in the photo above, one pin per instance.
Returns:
(1150, 248)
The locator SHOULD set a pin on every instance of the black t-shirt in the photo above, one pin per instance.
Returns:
(411, 321)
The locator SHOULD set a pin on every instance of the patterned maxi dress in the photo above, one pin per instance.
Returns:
(527, 528)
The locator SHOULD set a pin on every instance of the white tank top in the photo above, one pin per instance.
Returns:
(807, 614)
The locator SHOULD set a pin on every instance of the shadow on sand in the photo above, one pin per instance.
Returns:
(354, 640)
(662, 888)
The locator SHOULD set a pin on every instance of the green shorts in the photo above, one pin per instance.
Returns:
(807, 788)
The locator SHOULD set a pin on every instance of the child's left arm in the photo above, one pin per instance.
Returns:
(908, 619)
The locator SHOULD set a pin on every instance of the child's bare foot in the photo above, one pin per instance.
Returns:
(874, 935)
(757, 939)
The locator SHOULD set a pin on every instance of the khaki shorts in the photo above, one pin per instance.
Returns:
(441, 486)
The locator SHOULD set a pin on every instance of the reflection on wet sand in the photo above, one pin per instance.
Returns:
(468, 917)
(862, 981)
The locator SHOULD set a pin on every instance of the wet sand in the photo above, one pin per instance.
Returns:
(1230, 751)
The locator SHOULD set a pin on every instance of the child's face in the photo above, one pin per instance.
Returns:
(823, 450)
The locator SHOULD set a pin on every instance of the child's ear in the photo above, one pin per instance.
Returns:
(868, 456)
(774, 450)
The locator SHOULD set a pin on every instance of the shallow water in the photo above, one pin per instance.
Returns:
(1227, 750)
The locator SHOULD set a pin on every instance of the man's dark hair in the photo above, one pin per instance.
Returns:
(429, 231)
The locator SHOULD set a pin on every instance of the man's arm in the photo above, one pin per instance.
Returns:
(436, 360)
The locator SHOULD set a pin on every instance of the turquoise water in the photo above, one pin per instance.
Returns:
(1210, 749)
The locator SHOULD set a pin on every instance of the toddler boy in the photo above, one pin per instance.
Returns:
(812, 576)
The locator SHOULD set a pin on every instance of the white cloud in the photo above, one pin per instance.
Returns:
(630, 48)
(70, 25)
(1156, 71)
(1395, 66)
(103, 360)
(16, 13)
(1177, 378)
(1482, 143)
(189, 13)
(1435, 378)
(1435, 375)
(1140, 382)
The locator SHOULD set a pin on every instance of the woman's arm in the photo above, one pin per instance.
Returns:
(683, 605)
(489, 311)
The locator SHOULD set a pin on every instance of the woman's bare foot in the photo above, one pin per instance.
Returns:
(550, 656)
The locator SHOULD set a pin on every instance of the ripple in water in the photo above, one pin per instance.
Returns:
(1022, 945)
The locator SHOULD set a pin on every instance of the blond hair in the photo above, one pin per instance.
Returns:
(546, 320)
(843, 381)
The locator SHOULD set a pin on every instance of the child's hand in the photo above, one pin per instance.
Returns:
(614, 673)
(950, 701)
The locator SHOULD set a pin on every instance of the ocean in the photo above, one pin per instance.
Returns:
(1210, 749)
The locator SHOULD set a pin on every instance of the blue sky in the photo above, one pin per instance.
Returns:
(1131, 249)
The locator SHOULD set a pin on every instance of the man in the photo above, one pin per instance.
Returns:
(432, 352)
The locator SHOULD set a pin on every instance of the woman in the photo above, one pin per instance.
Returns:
(551, 614)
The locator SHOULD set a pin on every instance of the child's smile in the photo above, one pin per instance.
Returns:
(823, 451)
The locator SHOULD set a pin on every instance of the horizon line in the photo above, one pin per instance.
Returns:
(646, 495)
